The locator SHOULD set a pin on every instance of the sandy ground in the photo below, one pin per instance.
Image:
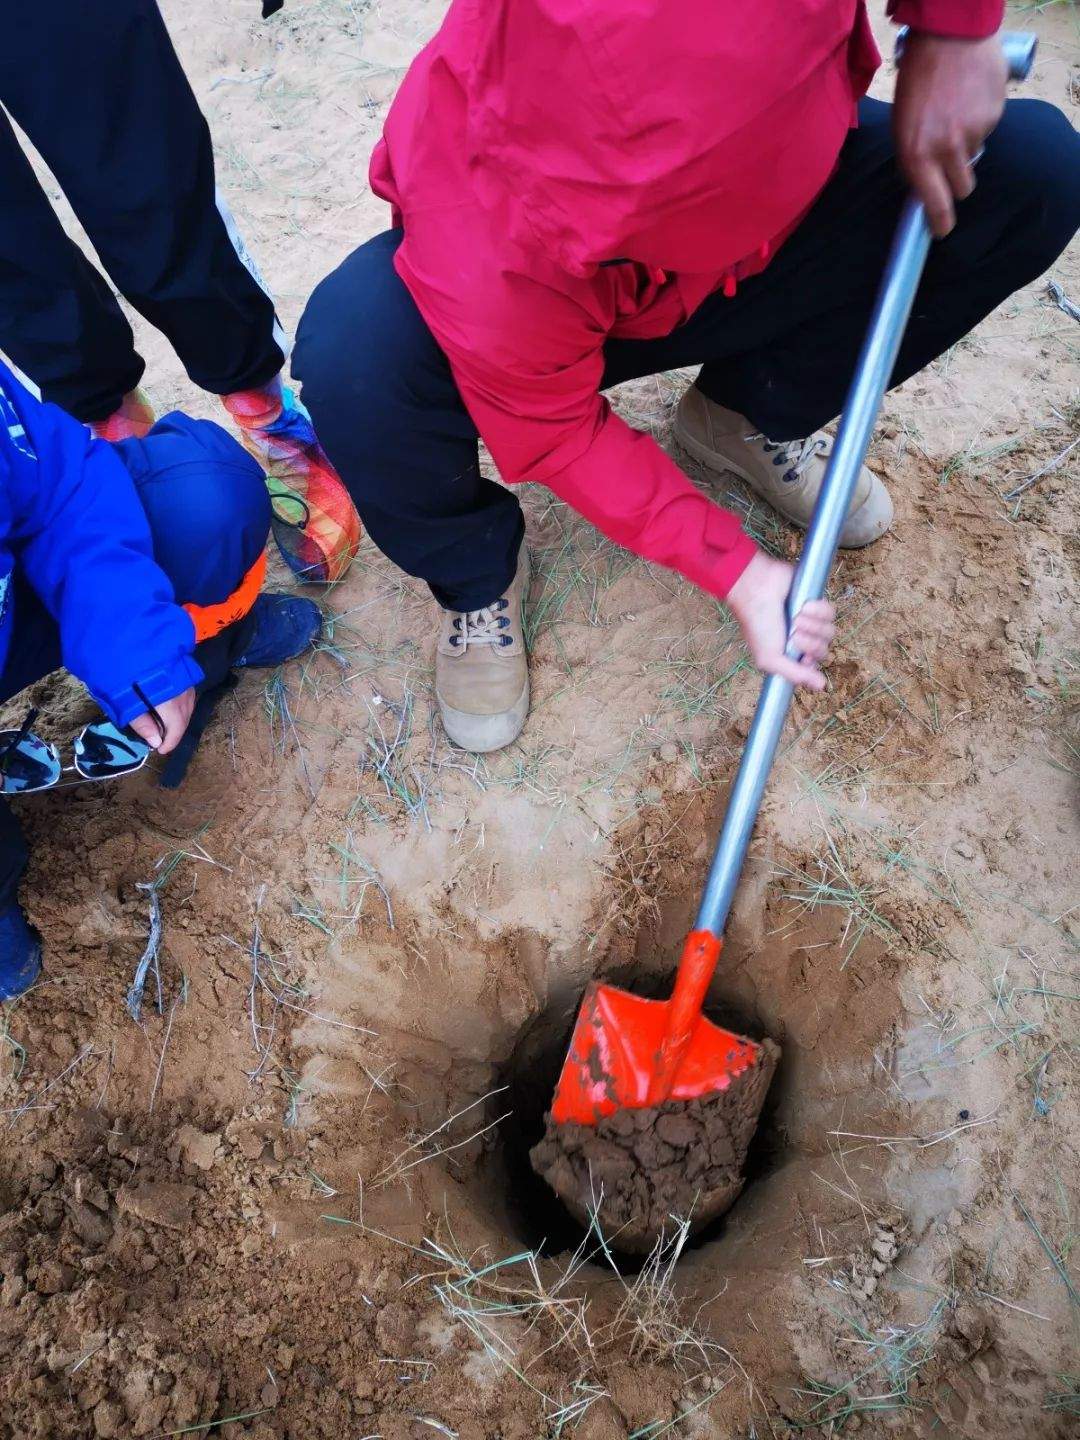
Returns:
(288, 1204)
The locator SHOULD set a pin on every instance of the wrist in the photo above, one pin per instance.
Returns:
(744, 593)
(124, 703)
(717, 570)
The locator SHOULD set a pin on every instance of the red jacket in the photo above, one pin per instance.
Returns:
(533, 139)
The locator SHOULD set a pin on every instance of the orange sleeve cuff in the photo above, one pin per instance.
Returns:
(212, 619)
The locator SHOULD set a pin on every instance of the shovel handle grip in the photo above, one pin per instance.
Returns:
(696, 967)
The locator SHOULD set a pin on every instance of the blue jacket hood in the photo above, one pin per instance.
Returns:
(181, 442)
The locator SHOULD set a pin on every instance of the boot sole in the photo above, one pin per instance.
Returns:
(719, 466)
(484, 733)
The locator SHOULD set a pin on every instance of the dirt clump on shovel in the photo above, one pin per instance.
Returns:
(640, 1170)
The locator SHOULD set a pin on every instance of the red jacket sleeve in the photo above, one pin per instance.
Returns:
(528, 360)
(630, 489)
(962, 19)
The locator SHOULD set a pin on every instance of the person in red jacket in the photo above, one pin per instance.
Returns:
(585, 191)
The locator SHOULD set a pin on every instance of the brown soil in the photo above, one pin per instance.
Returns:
(360, 928)
(639, 1171)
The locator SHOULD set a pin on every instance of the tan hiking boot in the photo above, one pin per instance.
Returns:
(482, 669)
(786, 476)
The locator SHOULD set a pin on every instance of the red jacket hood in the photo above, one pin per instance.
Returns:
(640, 129)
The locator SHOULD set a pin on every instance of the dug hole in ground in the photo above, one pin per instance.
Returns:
(290, 1202)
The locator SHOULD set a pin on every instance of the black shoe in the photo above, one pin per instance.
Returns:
(285, 626)
(20, 953)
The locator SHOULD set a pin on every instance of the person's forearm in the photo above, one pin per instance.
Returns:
(548, 425)
(631, 491)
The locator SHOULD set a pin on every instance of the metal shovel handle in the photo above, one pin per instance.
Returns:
(876, 362)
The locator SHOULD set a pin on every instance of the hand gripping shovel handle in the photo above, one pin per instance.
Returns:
(874, 368)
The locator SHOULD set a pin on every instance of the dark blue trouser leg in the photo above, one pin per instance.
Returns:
(208, 524)
(781, 351)
(102, 95)
(13, 855)
(59, 319)
(390, 417)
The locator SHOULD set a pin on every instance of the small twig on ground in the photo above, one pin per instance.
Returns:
(277, 702)
(18, 1050)
(110, 1061)
(327, 1019)
(924, 1142)
(1054, 1257)
(88, 1356)
(149, 961)
(207, 1425)
(433, 1424)
(1010, 1306)
(169, 863)
(322, 1187)
(396, 1169)
(1061, 300)
(386, 757)
(260, 1028)
(32, 1103)
(283, 994)
(253, 77)
(350, 857)
(161, 1057)
(1046, 469)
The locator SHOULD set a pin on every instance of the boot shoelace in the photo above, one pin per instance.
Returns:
(483, 627)
(795, 455)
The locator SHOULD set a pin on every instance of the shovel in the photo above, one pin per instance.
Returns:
(630, 1053)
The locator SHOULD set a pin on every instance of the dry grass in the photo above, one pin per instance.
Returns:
(535, 1319)
(890, 1359)
(437, 1143)
(640, 872)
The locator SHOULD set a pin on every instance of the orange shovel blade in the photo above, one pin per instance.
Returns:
(614, 1050)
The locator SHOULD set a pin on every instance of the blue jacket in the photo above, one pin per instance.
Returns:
(71, 520)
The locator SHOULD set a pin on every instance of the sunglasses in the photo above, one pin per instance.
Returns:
(101, 751)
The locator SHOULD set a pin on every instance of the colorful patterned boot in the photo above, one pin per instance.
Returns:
(315, 522)
(132, 421)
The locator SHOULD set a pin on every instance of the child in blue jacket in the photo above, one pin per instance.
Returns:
(136, 566)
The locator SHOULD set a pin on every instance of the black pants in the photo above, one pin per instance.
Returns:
(207, 531)
(98, 89)
(780, 352)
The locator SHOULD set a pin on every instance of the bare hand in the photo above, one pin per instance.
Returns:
(757, 601)
(949, 96)
(175, 715)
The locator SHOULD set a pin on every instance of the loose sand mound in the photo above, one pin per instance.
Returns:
(361, 929)
(638, 1171)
